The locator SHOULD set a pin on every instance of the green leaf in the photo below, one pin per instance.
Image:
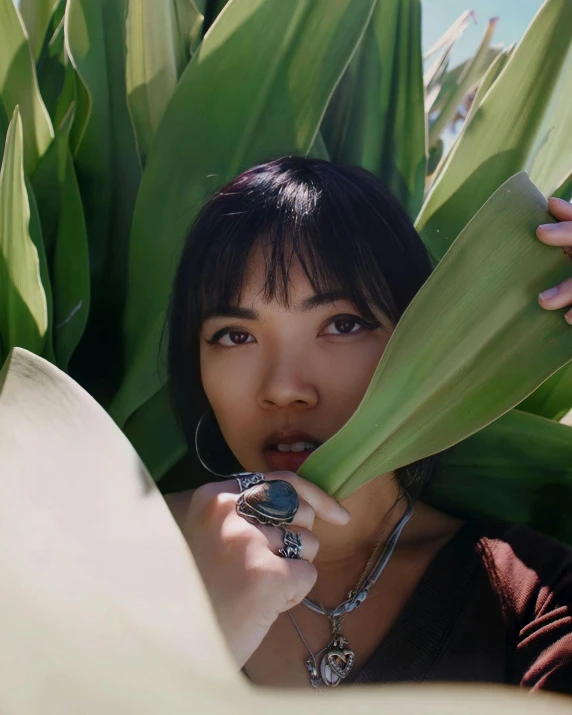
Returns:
(65, 238)
(155, 434)
(36, 15)
(37, 237)
(376, 117)
(19, 85)
(158, 50)
(472, 344)
(470, 75)
(4, 123)
(54, 69)
(250, 110)
(518, 468)
(564, 191)
(522, 123)
(318, 150)
(108, 173)
(23, 309)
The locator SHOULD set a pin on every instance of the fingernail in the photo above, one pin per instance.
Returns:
(549, 294)
(548, 226)
(346, 513)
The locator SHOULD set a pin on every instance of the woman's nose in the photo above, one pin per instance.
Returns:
(285, 385)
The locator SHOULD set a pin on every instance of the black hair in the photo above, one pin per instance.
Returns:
(341, 223)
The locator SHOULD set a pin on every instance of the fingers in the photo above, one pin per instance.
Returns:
(558, 234)
(305, 515)
(324, 506)
(275, 539)
(558, 297)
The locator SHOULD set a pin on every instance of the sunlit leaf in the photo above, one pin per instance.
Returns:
(19, 85)
(159, 35)
(36, 15)
(23, 308)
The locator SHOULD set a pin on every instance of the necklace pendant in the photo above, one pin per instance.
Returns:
(337, 662)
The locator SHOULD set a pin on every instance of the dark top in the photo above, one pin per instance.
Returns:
(494, 605)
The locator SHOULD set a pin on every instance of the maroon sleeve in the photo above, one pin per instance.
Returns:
(544, 649)
(533, 574)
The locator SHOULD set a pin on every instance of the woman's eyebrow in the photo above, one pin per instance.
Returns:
(314, 301)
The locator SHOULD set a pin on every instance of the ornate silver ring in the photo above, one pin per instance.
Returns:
(246, 480)
(272, 503)
(292, 545)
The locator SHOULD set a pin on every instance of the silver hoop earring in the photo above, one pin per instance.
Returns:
(212, 450)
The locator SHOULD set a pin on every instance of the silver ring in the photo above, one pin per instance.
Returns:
(272, 503)
(292, 545)
(246, 480)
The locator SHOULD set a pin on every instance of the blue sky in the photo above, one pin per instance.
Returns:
(515, 16)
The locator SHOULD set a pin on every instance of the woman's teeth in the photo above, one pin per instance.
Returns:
(296, 447)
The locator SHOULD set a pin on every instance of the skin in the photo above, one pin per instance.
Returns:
(308, 370)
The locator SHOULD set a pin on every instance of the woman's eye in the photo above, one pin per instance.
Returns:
(228, 338)
(346, 324)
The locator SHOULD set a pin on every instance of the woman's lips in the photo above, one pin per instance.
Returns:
(286, 461)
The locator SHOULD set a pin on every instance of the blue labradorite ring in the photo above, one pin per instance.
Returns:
(246, 480)
(271, 503)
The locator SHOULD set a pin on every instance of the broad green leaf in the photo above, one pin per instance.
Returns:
(251, 109)
(65, 238)
(376, 117)
(522, 123)
(472, 344)
(19, 85)
(36, 15)
(108, 173)
(471, 74)
(158, 50)
(518, 468)
(23, 308)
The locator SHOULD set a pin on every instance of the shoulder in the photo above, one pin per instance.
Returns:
(526, 567)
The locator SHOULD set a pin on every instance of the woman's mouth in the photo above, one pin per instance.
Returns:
(288, 457)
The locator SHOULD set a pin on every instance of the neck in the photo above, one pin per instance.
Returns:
(344, 551)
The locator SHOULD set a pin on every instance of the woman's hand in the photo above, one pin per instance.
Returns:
(248, 582)
(558, 234)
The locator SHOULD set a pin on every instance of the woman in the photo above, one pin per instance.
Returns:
(290, 283)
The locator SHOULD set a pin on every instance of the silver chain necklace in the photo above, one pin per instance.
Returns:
(338, 659)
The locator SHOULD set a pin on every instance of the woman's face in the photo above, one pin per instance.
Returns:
(282, 381)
